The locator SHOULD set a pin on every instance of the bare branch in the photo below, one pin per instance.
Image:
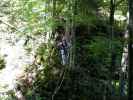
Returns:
(8, 24)
(59, 84)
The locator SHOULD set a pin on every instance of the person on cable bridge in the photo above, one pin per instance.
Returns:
(63, 48)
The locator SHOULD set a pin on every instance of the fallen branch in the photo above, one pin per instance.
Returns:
(4, 22)
(59, 84)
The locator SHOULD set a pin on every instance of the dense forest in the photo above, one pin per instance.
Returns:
(66, 50)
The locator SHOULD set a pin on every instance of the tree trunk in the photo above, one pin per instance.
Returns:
(113, 56)
(112, 11)
(130, 50)
(73, 36)
(124, 64)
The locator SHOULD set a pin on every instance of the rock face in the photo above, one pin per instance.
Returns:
(16, 58)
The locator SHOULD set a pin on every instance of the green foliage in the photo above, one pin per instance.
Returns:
(47, 67)
(100, 50)
(48, 76)
(7, 96)
(93, 53)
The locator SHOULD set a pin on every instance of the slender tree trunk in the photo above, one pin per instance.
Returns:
(130, 50)
(73, 35)
(112, 11)
(53, 14)
(113, 56)
(124, 64)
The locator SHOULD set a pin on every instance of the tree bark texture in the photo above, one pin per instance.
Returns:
(130, 51)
